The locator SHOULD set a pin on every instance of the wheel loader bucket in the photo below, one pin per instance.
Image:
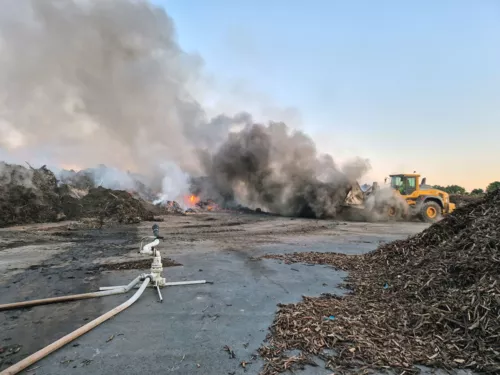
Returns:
(355, 197)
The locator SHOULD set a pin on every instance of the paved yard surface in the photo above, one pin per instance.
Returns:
(187, 332)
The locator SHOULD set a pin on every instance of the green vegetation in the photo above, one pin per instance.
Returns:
(456, 189)
(493, 186)
(451, 189)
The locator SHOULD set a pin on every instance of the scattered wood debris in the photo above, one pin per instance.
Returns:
(461, 199)
(340, 261)
(230, 351)
(433, 299)
(87, 362)
(7, 351)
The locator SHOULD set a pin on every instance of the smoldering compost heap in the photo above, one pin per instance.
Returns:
(279, 170)
(29, 195)
(112, 178)
(433, 299)
(98, 86)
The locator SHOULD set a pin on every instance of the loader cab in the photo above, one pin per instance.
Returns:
(406, 184)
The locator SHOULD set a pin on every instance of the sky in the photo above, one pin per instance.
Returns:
(410, 85)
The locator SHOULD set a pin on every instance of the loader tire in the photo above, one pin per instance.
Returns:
(393, 213)
(396, 210)
(431, 212)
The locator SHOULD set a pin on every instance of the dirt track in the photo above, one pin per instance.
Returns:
(48, 260)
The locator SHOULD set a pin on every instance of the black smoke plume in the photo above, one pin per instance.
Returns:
(89, 82)
(279, 170)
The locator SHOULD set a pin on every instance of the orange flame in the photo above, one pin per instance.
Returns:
(191, 200)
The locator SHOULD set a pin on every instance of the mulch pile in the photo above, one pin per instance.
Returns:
(117, 205)
(461, 199)
(94, 177)
(208, 205)
(170, 207)
(433, 299)
(30, 195)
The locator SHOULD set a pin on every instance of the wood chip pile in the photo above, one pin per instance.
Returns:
(433, 299)
(33, 195)
(461, 200)
(27, 195)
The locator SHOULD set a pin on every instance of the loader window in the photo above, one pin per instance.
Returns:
(396, 182)
(405, 185)
(410, 185)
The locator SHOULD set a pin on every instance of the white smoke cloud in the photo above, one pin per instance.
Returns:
(10, 137)
(91, 82)
(106, 82)
(174, 185)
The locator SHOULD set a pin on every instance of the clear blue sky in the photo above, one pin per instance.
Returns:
(411, 85)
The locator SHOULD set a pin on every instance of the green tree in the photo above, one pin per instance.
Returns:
(493, 186)
(455, 189)
(477, 192)
(451, 189)
(439, 187)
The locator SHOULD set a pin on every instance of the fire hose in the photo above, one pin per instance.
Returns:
(74, 297)
(154, 277)
(42, 353)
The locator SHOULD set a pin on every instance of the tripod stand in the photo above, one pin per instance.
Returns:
(157, 280)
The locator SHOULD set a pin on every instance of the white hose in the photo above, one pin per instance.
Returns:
(42, 353)
(73, 297)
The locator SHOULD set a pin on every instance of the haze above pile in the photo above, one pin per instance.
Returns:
(89, 82)
(411, 85)
(105, 82)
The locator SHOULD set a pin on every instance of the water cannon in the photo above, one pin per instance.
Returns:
(156, 271)
(149, 248)
(154, 279)
(156, 231)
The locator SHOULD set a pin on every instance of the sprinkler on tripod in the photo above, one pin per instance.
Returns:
(153, 279)
(156, 272)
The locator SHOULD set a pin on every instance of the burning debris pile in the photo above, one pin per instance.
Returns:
(29, 195)
(279, 170)
(433, 299)
(170, 207)
(110, 178)
(100, 104)
(208, 205)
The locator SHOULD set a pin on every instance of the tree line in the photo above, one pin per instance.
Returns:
(456, 189)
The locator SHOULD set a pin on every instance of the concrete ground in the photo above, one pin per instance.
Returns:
(187, 332)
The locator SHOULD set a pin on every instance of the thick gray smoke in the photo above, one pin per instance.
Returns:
(88, 82)
(281, 171)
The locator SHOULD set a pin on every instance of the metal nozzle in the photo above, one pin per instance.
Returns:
(156, 230)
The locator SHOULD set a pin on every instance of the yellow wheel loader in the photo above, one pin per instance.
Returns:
(406, 198)
(423, 200)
